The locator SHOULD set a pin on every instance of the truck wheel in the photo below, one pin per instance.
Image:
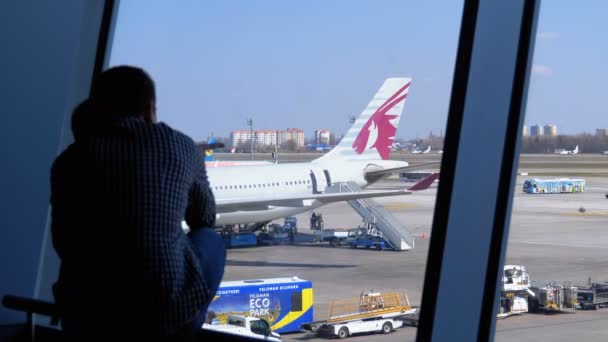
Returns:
(352, 245)
(387, 328)
(343, 333)
(334, 242)
(379, 247)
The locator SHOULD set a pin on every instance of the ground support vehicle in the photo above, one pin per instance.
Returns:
(346, 329)
(291, 222)
(593, 297)
(371, 312)
(236, 238)
(274, 234)
(553, 298)
(284, 303)
(370, 242)
(368, 238)
(335, 237)
(514, 292)
(251, 327)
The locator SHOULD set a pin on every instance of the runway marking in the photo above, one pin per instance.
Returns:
(560, 244)
(587, 213)
(398, 206)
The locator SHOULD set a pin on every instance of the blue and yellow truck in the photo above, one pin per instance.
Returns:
(285, 303)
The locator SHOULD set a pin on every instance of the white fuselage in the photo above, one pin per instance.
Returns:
(269, 181)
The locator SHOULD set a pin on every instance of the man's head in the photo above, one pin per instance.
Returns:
(125, 91)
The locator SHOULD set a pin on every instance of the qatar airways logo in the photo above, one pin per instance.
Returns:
(379, 131)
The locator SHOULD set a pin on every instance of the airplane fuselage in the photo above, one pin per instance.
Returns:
(268, 181)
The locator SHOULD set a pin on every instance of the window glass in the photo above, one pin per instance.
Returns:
(300, 75)
(558, 222)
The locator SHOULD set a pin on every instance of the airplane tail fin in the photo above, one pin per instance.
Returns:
(373, 132)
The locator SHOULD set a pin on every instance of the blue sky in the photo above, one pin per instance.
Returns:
(312, 64)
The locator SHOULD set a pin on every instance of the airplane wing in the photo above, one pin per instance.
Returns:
(249, 204)
(424, 182)
(376, 175)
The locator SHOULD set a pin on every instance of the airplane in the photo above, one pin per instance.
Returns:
(262, 193)
(562, 151)
(428, 149)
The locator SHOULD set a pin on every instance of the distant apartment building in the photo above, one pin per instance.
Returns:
(601, 132)
(322, 137)
(265, 137)
(525, 131)
(550, 131)
(261, 137)
(291, 134)
(536, 131)
(239, 137)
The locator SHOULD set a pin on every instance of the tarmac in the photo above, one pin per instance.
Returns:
(549, 234)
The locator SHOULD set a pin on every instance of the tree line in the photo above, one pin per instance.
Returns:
(587, 143)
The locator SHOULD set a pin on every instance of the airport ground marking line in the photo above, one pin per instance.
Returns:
(590, 213)
(560, 244)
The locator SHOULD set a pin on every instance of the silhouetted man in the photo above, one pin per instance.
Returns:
(119, 194)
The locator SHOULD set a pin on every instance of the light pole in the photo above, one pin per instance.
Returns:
(250, 124)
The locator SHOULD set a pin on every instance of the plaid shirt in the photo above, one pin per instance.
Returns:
(118, 197)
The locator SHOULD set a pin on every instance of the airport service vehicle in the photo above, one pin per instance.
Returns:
(236, 238)
(553, 297)
(335, 237)
(291, 222)
(560, 185)
(274, 235)
(370, 241)
(240, 240)
(284, 303)
(368, 237)
(514, 292)
(251, 327)
(593, 297)
(262, 193)
(371, 312)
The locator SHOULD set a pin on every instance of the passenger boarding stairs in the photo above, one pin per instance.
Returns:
(372, 212)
